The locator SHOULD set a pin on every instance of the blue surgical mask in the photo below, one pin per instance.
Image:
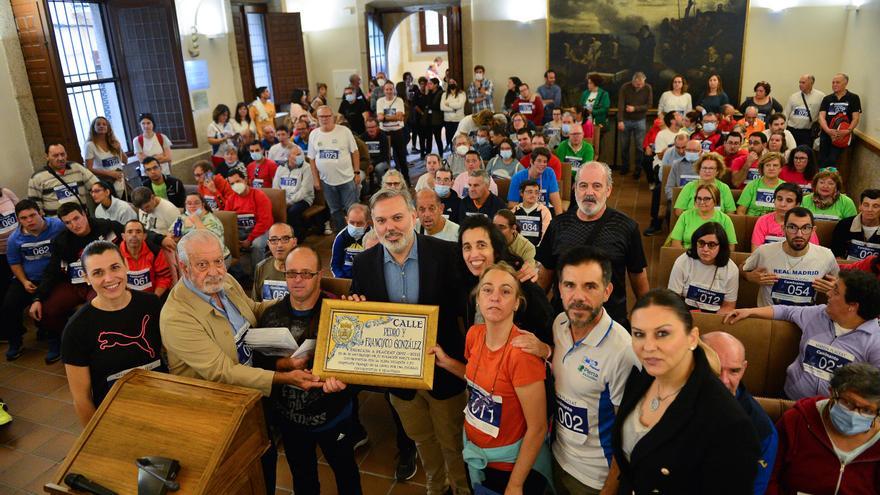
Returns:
(691, 156)
(481, 140)
(256, 155)
(442, 191)
(298, 161)
(349, 98)
(566, 128)
(709, 127)
(506, 154)
(849, 422)
(356, 232)
(198, 212)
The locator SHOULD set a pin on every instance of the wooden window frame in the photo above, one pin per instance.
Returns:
(423, 37)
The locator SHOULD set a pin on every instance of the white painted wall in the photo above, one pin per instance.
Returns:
(404, 51)
(859, 62)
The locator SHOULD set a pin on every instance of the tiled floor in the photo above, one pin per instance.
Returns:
(45, 425)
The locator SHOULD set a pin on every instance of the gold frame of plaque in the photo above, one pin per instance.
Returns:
(360, 329)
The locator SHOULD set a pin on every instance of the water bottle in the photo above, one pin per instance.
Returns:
(177, 230)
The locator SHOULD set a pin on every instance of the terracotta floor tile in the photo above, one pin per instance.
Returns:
(9, 371)
(407, 489)
(43, 411)
(36, 382)
(62, 394)
(8, 457)
(57, 447)
(16, 429)
(25, 470)
(33, 439)
(48, 476)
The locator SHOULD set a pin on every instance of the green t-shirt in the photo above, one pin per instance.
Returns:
(690, 221)
(576, 159)
(842, 208)
(758, 198)
(160, 190)
(685, 199)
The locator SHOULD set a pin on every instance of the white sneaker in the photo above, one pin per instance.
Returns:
(327, 229)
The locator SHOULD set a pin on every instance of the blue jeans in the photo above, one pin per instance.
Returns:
(339, 198)
(631, 129)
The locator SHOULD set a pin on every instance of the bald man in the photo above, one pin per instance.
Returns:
(431, 221)
(732, 354)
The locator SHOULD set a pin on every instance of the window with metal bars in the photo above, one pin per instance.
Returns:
(259, 47)
(91, 84)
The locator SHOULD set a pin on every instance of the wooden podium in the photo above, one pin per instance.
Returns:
(216, 431)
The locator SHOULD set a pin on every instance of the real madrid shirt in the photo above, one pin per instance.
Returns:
(590, 376)
(794, 286)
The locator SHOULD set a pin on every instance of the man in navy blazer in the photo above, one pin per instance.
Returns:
(406, 267)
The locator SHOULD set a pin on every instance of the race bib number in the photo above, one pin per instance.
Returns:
(685, 179)
(212, 202)
(483, 410)
(33, 251)
(373, 147)
(245, 353)
(328, 154)
(703, 299)
(350, 253)
(246, 223)
(111, 163)
(258, 183)
(62, 193)
(801, 112)
(838, 107)
(529, 226)
(826, 216)
(806, 188)
(390, 112)
(76, 273)
(753, 174)
(773, 238)
(543, 197)
(526, 108)
(859, 250)
(765, 198)
(792, 292)
(706, 145)
(289, 182)
(574, 161)
(820, 360)
(551, 131)
(139, 280)
(274, 290)
(572, 419)
(8, 223)
(474, 213)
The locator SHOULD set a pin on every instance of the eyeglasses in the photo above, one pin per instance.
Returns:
(325, 116)
(203, 265)
(703, 199)
(276, 240)
(794, 229)
(848, 404)
(392, 184)
(304, 275)
(707, 244)
(800, 158)
(708, 169)
(828, 169)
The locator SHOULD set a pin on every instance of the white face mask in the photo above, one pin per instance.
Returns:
(461, 149)
(238, 187)
(380, 82)
(478, 76)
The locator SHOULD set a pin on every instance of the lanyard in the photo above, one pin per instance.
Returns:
(577, 344)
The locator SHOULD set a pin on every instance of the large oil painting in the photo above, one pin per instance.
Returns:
(661, 38)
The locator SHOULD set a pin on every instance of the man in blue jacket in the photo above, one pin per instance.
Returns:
(732, 355)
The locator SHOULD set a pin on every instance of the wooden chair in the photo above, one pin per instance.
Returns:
(337, 286)
(503, 188)
(668, 255)
(318, 206)
(825, 231)
(230, 232)
(279, 203)
(740, 226)
(747, 296)
(565, 186)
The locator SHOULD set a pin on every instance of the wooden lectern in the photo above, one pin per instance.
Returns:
(216, 431)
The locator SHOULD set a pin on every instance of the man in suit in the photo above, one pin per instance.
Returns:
(411, 268)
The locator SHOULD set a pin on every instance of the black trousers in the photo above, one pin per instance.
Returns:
(450, 127)
(829, 155)
(496, 480)
(398, 141)
(302, 458)
(801, 137)
(295, 220)
(15, 301)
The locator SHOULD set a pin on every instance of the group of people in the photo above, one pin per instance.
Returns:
(544, 378)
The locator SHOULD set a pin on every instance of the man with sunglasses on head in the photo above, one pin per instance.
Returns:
(791, 272)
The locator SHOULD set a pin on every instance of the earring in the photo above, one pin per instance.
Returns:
(693, 348)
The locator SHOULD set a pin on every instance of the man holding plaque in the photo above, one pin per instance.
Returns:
(309, 418)
(411, 268)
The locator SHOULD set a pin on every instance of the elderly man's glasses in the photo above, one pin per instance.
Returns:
(304, 275)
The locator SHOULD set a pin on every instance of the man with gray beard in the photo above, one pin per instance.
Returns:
(406, 267)
(592, 359)
(607, 229)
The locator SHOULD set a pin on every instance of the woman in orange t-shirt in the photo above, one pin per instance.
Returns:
(505, 419)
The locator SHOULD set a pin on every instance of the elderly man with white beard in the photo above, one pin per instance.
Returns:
(204, 323)
(611, 231)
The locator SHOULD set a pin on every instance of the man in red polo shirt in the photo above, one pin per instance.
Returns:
(148, 271)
